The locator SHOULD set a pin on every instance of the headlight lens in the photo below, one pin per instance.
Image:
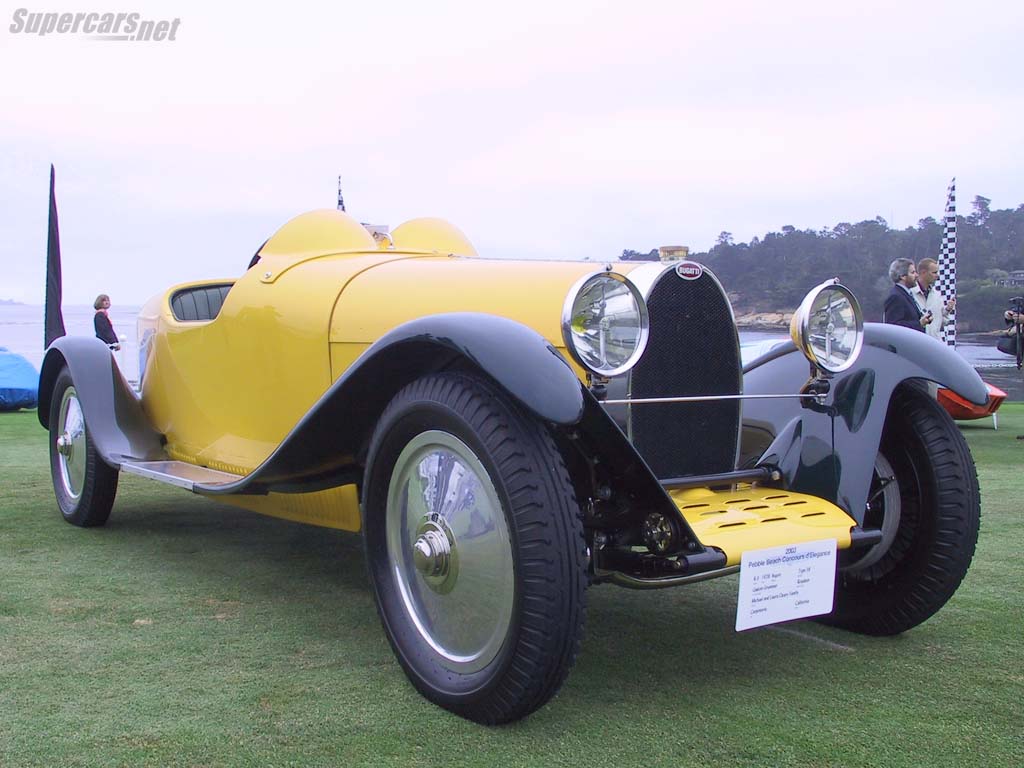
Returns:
(605, 324)
(829, 327)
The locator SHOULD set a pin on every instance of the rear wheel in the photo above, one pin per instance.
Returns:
(925, 499)
(85, 486)
(475, 548)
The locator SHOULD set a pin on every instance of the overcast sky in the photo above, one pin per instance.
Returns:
(539, 128)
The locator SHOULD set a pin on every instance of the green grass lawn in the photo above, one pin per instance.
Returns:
(191, 633)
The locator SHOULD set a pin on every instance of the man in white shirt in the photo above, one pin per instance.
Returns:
(930, 300)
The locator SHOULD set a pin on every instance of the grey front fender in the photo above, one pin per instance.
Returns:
(851, 419)
(922, 357)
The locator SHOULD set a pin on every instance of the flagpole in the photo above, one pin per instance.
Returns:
(947, 261)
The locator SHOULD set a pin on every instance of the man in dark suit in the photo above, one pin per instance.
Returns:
(900, 307)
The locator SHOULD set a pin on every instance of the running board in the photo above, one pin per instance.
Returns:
(178, 473)
(752, 518)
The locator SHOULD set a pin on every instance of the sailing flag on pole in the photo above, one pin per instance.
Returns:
(53, 321)
(947, 261)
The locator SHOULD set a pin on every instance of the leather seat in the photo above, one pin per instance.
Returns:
(191, 305)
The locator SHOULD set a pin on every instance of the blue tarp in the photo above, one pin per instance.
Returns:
(19, 382)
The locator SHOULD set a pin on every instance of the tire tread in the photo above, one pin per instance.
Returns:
(936, 560)
(547, 529)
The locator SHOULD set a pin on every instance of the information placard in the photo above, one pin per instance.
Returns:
(786, 583)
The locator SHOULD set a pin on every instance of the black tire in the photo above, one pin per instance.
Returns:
(488, 663)
(85, 485)
(904, 581)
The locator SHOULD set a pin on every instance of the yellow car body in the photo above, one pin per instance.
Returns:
(403, 385)
(284, 334)
(271, 348)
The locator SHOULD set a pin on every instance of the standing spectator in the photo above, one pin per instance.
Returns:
(900, 307)
(930, 300)
(101, 321)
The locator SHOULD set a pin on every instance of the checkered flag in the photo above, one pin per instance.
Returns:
(947, 261)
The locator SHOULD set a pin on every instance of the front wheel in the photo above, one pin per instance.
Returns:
(83, 483)
(925, 499)
(475, 548)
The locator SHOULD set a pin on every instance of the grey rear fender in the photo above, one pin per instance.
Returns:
(113, 414)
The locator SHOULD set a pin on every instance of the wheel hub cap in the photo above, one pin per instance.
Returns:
(71, 444)
(432, 554)
(449, 550)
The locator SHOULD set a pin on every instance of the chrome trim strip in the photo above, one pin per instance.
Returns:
(645, 276)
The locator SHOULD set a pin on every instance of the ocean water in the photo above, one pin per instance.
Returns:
(21, 331)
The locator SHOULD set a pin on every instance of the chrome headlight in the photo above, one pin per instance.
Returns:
(605, 323)
(829, 327)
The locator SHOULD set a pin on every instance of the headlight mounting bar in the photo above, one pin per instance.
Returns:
(819, 397)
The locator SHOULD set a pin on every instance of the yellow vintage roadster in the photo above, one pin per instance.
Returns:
(508, 433)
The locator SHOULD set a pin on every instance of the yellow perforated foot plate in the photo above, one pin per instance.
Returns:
(756, 518)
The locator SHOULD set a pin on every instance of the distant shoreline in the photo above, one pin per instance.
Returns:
(11, 303)
(763, 321)
(779, 321)
(754, 325)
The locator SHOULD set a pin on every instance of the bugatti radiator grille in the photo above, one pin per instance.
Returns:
(693, 350)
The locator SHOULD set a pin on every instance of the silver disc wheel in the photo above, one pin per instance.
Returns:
(84, 485)
(888, 497)
(71, 444)
(449, 550)
(475, 547)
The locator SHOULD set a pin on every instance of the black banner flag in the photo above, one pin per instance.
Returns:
(54, 320)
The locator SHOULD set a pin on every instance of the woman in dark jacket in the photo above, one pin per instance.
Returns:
(104, 328)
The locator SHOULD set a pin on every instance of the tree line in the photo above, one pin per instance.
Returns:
(772, 273)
